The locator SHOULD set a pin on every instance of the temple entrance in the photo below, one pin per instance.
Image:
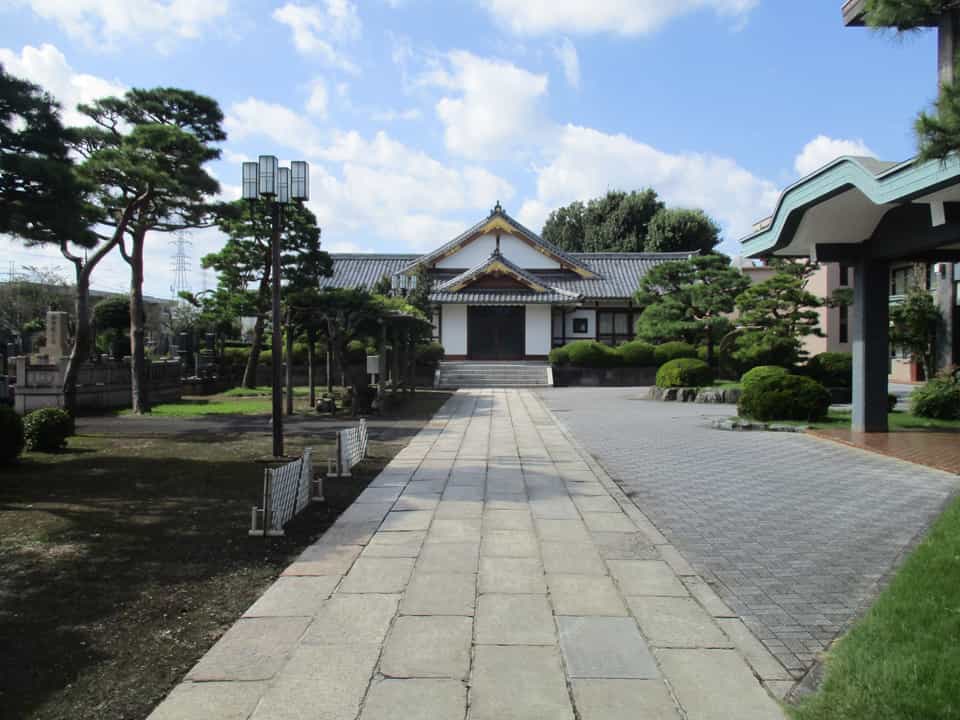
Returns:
(496, 333)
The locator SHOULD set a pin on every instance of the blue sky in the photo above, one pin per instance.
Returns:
(417, 115)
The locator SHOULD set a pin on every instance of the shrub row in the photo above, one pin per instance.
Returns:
(592, 354)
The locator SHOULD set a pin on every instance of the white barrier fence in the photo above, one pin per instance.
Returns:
(351, 449)
(287, 490)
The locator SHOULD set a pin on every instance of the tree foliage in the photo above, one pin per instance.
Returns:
(679, 229)
(419, 295)
(615, 222)
(689, 299)
(24, 302)
(914, 325)
(905, 15)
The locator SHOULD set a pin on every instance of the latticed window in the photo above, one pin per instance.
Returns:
(614, 326)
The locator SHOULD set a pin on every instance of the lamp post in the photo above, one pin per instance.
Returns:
(266, 180)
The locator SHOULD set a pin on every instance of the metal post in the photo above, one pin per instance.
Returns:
(277, 350)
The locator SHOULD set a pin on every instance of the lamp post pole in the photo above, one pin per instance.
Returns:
(266, 180)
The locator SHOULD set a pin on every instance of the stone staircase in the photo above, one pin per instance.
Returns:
(493, 374)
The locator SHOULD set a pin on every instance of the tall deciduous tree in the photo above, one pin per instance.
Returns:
(689, 299)
(915, 324)
(145, 154)
(615, 222)
(680, 229)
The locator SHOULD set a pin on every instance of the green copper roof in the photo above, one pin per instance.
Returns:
(882, 183)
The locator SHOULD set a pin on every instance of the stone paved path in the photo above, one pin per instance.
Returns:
(796, 534)
(491, 572)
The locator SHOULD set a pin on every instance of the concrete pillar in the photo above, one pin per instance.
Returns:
(871, 345)
(946, 299)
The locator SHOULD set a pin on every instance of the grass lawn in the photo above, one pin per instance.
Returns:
(124, 558)
(266, 391)
(898, 420)
(237, 401)
(902, 660)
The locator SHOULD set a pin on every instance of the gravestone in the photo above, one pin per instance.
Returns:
(57, 343)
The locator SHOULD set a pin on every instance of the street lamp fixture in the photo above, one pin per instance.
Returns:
(266, 180)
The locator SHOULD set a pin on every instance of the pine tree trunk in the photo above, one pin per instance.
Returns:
(139, 389)
(253, 359)
(81, 342)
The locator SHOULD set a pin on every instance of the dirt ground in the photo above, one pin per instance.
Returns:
(125, 557)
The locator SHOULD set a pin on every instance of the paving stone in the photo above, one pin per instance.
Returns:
(353, 619)
(715, 684)
(504, 619)
(597, 503)
(395, 544)
(417, 502)
(507, 520)
(440, 594)
(506, 501)
(624, 546)
(676, 622)
(294, 596)
(608, 522)
(519, 683)
(407, 520)
(605, 647)
(455, 530)
(253, 649)
(571, 559)
(428, 647)
(444, 557)
(324, 559)
(567, 531)
(646, 577)
(363, 513)
(375, 494)
(459, 509)
(623, 700)
(779, 688)
(509, 543)
(555, 508)
(320, 683)
(512, 575)
(463, 493)
(584, 595)
(676, 561)
(706, 596)
(763, 663)
(377, 575)
(415, 699)
(347, 534)
(210, 700)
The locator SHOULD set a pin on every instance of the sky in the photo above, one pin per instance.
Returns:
(417, 116)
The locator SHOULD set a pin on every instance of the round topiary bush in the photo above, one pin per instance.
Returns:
(673, 351)
(762, 373)
(47, 429)
(591, 354)
(637, 354)
(833, 369)
(11, 435)
(938, 399)
(784, 397)
(560, 356)
(684, 372)
(430, 353)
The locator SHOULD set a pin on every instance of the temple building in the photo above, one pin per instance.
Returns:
(503, 293)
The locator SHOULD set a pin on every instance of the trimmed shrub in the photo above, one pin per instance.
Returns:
(430, 353)
(833, 369)
(784, 397)
(11, 435)
(762, 373)
(636, 354)
(47, 429)
(684, 372)
(938, 399)
(702, 353)
(560, 356)
(591, 354)
(673, 351)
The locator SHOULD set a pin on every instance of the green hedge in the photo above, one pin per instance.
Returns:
(784, 397)
(47, 429)
(560, 356)
(673, 351)
(637, 354)
(11, 435)
(762, 372)
(684, 372)
(430, 353)
(592, 354)
(939, 398)
(833, 369)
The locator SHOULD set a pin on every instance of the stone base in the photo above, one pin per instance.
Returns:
(713, 396)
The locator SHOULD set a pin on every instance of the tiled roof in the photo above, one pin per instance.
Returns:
(359, 270)
(502, 297)
(618, 274)
(480, 269)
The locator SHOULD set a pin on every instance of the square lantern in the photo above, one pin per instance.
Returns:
(283, 186)
(250, 177)
(299, 180)
(268, 175)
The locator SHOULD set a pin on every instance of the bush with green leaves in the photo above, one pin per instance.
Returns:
(356, 353)
(833, 369)
(11, 435)
(785, 397)
(761, 373)
(672, 351)
(47, 429)
(592, 354)
(938, 399)
(431, 353)
(560, 356)
(684, 372)
(637, 354)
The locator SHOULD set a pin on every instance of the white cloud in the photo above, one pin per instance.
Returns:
(322, 29)
(566, 53)
(586, 163)
(47, 67)
(822, 150)
(102, 23)
(317, 102)
(253, 117)
(495, 107)
(622, 17)
(392, 115)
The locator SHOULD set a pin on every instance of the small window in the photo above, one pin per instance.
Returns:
(580, 326)
(844, 324)
(844, 275)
